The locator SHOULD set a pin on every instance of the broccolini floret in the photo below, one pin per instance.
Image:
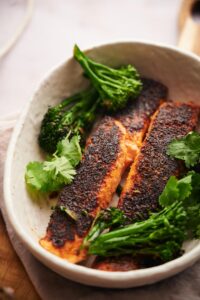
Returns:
(111, 89)
(115, 86)
(75, 115)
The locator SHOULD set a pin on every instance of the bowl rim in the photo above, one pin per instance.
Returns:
(52, 260)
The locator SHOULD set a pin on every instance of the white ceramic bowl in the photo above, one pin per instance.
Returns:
(179, 70)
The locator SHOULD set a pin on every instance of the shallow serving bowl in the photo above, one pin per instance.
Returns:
(179, 70)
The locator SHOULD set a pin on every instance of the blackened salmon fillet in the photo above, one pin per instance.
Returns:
(152, 166)
(110, 149)
(137, 115)
(95, 182)
(151, 170)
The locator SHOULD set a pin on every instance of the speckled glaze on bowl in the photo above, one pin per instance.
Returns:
(179, 70)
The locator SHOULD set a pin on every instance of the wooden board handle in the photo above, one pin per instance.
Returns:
(189, 26)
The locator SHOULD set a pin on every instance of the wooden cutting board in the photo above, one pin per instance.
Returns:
(12, 272)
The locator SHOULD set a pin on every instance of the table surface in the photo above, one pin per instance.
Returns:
(12, 272)
(49, 38)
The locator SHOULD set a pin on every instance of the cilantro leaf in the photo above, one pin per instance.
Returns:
(176, 190)
(185, 191)
(170, 192)
(186, 148)
(52, 174)
(36, 178)
(60, 169)
(70, 149)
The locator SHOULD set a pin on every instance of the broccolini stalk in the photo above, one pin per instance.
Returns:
(144, 237)
(105, 219)
(161, 235)
(75, 115)
(115, 86)
(111, 90)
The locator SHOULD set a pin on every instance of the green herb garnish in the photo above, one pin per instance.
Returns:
(186, 148)
(52, 174)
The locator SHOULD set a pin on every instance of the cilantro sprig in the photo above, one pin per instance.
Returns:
(52, 174)
(186, 149)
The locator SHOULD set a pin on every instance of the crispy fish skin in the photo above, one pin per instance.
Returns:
(150, 172)
(111, 148)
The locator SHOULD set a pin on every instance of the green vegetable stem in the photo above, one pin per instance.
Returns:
(105, 219)
(110, 89)
(161, 235)
(115, 86)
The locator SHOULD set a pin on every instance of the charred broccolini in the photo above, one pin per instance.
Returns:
(115, 86)
(161, 235)
(74, 115)
(111, 89)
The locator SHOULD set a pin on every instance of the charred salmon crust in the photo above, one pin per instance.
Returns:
(152, 166)
(99, 161)
(135, 118)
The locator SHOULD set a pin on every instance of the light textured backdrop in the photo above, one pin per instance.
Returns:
(57, 24)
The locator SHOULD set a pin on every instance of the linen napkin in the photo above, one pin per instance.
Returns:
(51, 286)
